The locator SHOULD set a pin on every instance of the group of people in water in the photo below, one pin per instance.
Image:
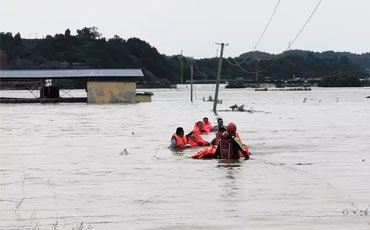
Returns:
(225, 145)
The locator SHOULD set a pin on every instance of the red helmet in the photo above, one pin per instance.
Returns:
(231, 128)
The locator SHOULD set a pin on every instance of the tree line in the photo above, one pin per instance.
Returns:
(88, 49)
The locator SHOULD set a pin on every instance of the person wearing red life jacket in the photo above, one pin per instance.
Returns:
(210, 151)
(206, 153)
(194, 140)
(198, 128)
(219, 133)
(229, 145)
(178, 139)
(207, 126)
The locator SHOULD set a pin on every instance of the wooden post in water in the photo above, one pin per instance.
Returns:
(42, 90)
(218, 77)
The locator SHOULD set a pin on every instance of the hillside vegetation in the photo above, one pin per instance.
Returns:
(88, 49)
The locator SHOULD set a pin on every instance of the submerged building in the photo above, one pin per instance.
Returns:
(102, 85)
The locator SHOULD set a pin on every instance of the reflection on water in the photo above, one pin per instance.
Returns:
(109, 166)
(231, 168)
(229, 163)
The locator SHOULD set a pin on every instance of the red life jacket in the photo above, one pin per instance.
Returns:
(246, 149)
(205, 153)
(180, 141)
(216, 140)
(210, 152)
(203, 142)
(199, 130)
(199, 142)
(207, 127)
(196, 130)
(229, 148)
(191, 142)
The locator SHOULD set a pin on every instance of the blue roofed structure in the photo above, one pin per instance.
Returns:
(71, 73)
(102, 85)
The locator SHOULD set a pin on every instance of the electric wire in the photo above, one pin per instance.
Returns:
(198, 70)
(251, 72)
(304, 26)
(238, 64)
(267, 25)
(290, 44)
(261, 36)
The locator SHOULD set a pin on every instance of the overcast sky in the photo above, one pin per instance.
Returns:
(195, 25)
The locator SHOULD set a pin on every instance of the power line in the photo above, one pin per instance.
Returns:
(239, 63)
(198, 73)
(198, 70)
(251, 72)
(308, 20)
(290, 43)
(268, 24)
(262, 35)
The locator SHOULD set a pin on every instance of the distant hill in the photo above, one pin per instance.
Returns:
(256, 55)
(362, 60)
(88, 49)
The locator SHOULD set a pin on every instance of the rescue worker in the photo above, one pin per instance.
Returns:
(220, 123)
(178, 139)
(207, 126)
(229, 145)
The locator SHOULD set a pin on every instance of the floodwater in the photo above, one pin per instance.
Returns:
(85, 166)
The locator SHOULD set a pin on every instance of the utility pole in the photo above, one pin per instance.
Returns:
(218, 76)
(257, 70)
(191, 80)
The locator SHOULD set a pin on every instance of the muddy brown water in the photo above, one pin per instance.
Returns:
(83, 166)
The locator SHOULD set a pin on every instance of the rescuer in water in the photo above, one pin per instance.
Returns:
(219, 133)
(220, 123)
(230, 145)
(207, 127)
(178, 139)
(194, 140)
(198, 128)
(210, 151)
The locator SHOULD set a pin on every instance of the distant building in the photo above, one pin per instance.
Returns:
(103, 85)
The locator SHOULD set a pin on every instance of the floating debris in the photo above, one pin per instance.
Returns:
(19, 203)
(284, 89)
(358, 212)
(237, 108)
(124, 152)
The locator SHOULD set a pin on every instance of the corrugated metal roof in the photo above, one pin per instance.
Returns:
(70, 73)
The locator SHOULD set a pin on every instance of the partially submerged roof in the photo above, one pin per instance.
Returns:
(71, 73)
